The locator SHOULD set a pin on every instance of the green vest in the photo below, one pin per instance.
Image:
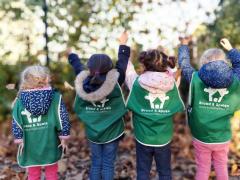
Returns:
(152, 114)
(103, 120)
(40, 134)
(210, 110)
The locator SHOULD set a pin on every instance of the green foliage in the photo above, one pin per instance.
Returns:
(226, 25)
(6, 6)
(8, 74)
(86, 19)
(78, 24)
(34, 2)
(228, 22)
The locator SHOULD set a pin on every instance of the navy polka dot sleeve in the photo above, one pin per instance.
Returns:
(16, 130)
(64, 120)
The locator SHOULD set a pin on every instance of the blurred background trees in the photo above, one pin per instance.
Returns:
(93, 26)
(226, 24)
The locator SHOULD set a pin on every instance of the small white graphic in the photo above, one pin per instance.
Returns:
(103, 102)
(157, 100)
(30, 119)
(211, 92)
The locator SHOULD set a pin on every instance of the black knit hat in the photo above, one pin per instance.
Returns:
(98, 65)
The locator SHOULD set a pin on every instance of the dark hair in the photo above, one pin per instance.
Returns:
(154, 60)
(98, 65)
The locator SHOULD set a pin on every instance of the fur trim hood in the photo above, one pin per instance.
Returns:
(105, 89)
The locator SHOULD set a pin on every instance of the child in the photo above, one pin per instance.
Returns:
(100, 106)
(214, 96)
(153, 99)
(40, 123)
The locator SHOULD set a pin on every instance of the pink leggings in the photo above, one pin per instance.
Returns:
(34, 173)
(205, 154)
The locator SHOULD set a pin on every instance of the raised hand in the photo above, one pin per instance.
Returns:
(226, 44)
(123, 38)
(185, 40)
(67, 52)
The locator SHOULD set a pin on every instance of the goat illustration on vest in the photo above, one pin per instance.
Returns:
(213, 92)
(31, 119)
(157, 100)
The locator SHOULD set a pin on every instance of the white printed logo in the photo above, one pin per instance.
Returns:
(211, 92)
(103, 102)
(157, 100)
(30, 119)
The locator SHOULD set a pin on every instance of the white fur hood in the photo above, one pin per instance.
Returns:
(98, 95)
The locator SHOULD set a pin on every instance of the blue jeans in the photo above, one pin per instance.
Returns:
(162, 156)
(103, 157)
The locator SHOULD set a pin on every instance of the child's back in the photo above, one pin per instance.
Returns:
(213, 98)
(100, 106)
(153, 100)
(101, 110)
(40, 123)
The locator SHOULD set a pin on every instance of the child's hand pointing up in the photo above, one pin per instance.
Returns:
(226, 44)
(185, 40)
(123, 38)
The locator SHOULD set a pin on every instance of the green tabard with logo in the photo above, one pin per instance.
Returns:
(210, 110)
(103, 120)
(152, 114)
(40, 134)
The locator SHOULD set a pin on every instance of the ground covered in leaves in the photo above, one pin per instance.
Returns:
(75, 164)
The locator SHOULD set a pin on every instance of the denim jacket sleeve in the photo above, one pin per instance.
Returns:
(234, 56)
(184, 62)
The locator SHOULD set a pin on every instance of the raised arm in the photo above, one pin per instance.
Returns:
(184, 60)
(75, 62)
(233, 55)
(123, 57)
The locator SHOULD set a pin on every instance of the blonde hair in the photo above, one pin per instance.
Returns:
(213, 54)
(35, 77)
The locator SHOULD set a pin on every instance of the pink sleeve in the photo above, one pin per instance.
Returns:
(131, 75)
